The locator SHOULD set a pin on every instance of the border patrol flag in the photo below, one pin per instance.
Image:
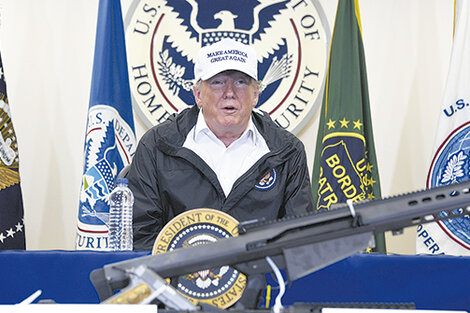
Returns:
(110, 138)
(12, 234)
(345, 165)
(451, 159)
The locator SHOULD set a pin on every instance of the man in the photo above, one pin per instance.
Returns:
(219, 154)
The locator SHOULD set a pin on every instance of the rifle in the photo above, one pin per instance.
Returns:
(300, 244)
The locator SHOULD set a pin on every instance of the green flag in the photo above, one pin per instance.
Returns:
(345, 164)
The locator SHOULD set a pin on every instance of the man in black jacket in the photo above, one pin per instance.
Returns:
(219, 154)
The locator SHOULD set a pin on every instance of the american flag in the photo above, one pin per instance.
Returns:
(12, 234)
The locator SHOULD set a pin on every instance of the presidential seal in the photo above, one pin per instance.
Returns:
(451, 164)
(109, 146)
(268, 181)
(290, 36)
(220, 287)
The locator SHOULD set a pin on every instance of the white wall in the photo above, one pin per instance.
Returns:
(47, 49)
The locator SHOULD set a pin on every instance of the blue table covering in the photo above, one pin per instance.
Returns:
(430, 282)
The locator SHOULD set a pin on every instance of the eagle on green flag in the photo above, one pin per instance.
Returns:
(345, 163)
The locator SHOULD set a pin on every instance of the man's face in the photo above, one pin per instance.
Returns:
(226, 100)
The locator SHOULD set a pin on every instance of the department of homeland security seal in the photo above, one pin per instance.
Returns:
(220, 287)
(291, 38)
(109, 146)
(451, 164)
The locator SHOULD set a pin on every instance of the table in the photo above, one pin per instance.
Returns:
(430, 282)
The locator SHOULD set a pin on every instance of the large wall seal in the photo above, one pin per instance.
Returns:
(291, 39)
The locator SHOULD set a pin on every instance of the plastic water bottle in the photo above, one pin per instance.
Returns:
(120, 217)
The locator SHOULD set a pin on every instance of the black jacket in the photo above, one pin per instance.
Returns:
(168, 179)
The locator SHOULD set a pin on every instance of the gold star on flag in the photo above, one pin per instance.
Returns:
(358, 124)
(369, 167)
(344, 123)
(331, 124)
(372, 182)
(370, 196)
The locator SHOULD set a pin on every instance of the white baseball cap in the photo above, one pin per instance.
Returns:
(226, 54)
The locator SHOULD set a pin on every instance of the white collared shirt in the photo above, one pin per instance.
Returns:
(228, 163)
